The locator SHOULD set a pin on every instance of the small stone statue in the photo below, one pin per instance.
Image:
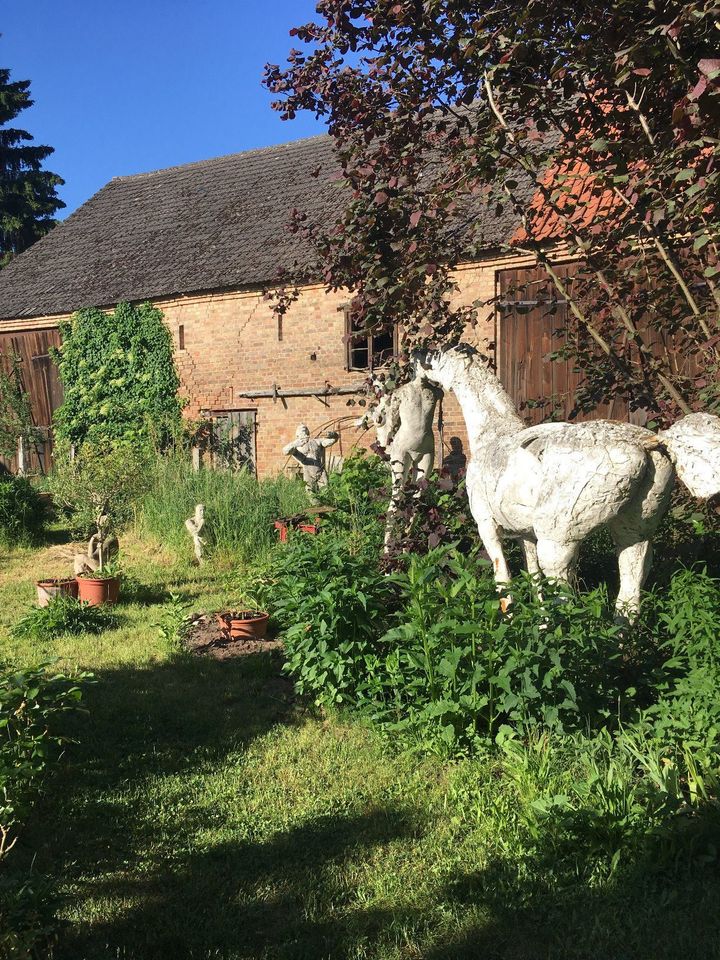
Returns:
(99, 550)
(194, 525)
(311, 456)
(403, 421)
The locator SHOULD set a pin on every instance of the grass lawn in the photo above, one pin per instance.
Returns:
(202, 814)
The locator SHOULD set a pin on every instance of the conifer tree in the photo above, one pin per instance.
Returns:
(28, 198)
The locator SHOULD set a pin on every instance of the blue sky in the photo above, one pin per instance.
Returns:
(125, 87)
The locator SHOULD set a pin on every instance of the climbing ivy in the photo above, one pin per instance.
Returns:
(118, 376)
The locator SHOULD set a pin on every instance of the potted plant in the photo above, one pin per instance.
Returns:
(249, 621)
(53, 587)
(243, 624)
(101, 586)
(99, 485)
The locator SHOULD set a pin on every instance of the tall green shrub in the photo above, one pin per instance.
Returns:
(118, 376)
(22, 512)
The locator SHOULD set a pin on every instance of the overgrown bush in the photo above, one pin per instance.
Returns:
(452, 667)
(63, 615)
(430, 513)
(22, 512)
(118, 375)
(102, 484)
(32, 701)
(333, 604)
(359, 496)
(449, 664)
(239, 509)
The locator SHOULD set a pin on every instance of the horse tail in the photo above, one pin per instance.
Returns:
(693, 444)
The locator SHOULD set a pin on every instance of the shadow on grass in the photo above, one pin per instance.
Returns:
(133, 590)
(168, 879)
(165, 891)
(549, 907)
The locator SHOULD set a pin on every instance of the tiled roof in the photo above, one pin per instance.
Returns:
(211, 225)
(581, 203)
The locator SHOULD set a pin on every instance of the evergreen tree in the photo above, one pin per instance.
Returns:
(28, 198)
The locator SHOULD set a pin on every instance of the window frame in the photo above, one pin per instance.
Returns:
(367, 337)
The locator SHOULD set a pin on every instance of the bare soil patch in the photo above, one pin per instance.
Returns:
(205, 638)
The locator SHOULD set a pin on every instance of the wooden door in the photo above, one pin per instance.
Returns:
(40, 379)
(532, 326)
(231, 444)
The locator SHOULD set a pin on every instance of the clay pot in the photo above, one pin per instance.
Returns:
(47, 590)
(98, 590)
(243, 624)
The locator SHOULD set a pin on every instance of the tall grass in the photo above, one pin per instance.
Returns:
(239, 509)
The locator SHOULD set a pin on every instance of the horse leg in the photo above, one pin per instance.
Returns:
(557, 559)
(634, 562)
(493, 545)
(531, 557)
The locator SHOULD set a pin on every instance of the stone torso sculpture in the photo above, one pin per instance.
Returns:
(310, 453)
(552, 485)
(194, 526)
(403, 422)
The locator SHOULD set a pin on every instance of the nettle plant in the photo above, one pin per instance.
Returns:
(119, 378)
(606, 114)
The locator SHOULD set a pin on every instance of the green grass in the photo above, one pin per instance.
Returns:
(239, 510)
(200, 815)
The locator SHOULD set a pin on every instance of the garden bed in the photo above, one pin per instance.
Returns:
(204, 637)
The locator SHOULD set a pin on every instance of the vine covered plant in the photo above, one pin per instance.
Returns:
(118, 375)
(592, 125)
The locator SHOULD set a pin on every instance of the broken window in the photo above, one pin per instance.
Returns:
(367, 351)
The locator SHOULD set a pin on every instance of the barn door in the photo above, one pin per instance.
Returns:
(41, 381)
(532, 326)
(232, 440)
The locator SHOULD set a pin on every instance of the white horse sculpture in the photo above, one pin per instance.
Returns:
(552, 485)
(403, 421)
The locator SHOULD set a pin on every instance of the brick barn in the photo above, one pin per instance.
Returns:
(202, 241)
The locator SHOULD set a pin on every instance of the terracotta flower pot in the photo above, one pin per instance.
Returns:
(243, 624)
(47, 590)
(98, 590)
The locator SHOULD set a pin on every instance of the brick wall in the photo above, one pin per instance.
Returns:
(231, 344)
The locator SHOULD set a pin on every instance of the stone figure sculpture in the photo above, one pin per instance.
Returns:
(550, 486)
(194, 525)
(310, 453)
(100, 550)
(403, 421)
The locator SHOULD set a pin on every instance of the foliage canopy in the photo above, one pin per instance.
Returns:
(28, 197)
(118, 376)
(434, 106)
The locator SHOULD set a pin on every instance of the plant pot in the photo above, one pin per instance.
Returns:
(283, 526)
(243, 624)
(96, 591)
(48, 589)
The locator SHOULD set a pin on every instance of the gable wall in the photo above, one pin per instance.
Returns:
(231, 346)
